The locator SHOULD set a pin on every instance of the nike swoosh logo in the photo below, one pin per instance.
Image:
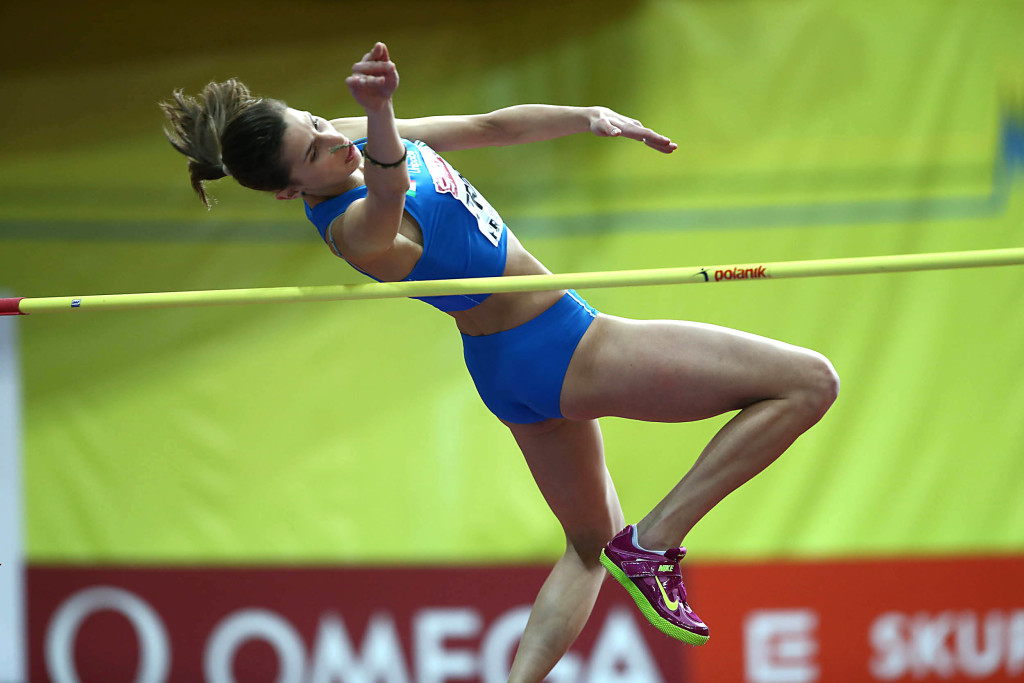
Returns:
(671, 604)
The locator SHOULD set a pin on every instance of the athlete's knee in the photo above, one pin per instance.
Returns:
(588, 541)
(819, 385)
(587, 554)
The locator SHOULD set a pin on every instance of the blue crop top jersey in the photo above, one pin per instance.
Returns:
(463, 236)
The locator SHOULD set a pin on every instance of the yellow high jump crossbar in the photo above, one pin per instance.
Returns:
(520, 283)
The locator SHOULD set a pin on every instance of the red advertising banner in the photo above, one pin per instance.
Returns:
(297, 625)
(959, 619)
(956, 619)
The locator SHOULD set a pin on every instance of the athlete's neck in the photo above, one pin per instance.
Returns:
(350, 183)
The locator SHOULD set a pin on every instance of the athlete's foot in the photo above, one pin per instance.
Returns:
(656, 585)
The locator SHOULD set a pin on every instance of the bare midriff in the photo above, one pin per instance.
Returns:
(500, 312)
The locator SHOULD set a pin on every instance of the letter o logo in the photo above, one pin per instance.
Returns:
(252, 624)
(154, 651)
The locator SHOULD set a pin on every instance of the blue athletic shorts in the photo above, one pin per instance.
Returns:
(519, 372)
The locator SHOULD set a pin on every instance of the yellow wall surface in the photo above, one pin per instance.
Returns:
(351, 432)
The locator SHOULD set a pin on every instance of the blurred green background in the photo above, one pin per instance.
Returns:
(351, 432)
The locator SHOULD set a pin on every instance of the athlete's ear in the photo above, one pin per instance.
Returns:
(291, 192)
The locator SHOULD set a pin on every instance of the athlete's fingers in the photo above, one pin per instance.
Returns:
(363, 80)
(660, 143)
(657, 140)
(378, 52)
(634, 130)
(664, 148)
(606, 127)
(373, 67)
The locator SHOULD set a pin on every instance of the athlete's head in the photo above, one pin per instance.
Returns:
(260, 142)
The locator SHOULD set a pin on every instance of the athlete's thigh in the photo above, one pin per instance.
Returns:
(566, 458)
(673, 371)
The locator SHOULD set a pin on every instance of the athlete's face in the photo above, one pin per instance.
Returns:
(321, 160)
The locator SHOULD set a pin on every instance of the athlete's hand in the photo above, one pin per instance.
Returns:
(374, 79)
(606, 123)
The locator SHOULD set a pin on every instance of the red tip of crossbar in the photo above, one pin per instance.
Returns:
(10, 306)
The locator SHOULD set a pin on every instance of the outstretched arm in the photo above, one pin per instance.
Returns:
(517, 125)
(528, 123)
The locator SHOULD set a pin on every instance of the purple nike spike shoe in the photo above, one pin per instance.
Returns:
(656, 585)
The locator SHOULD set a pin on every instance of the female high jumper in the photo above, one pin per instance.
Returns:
(545, 363)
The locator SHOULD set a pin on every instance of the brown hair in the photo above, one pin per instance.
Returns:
(226, 131)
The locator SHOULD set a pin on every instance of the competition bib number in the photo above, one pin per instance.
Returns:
(487, 218)
(448, 180)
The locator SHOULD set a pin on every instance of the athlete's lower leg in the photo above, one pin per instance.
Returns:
(745, 446)
(566, 459)
(559, 614)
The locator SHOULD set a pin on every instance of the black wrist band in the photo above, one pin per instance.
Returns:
(373, 161)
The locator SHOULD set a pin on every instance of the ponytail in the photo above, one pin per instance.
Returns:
(226, 131)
